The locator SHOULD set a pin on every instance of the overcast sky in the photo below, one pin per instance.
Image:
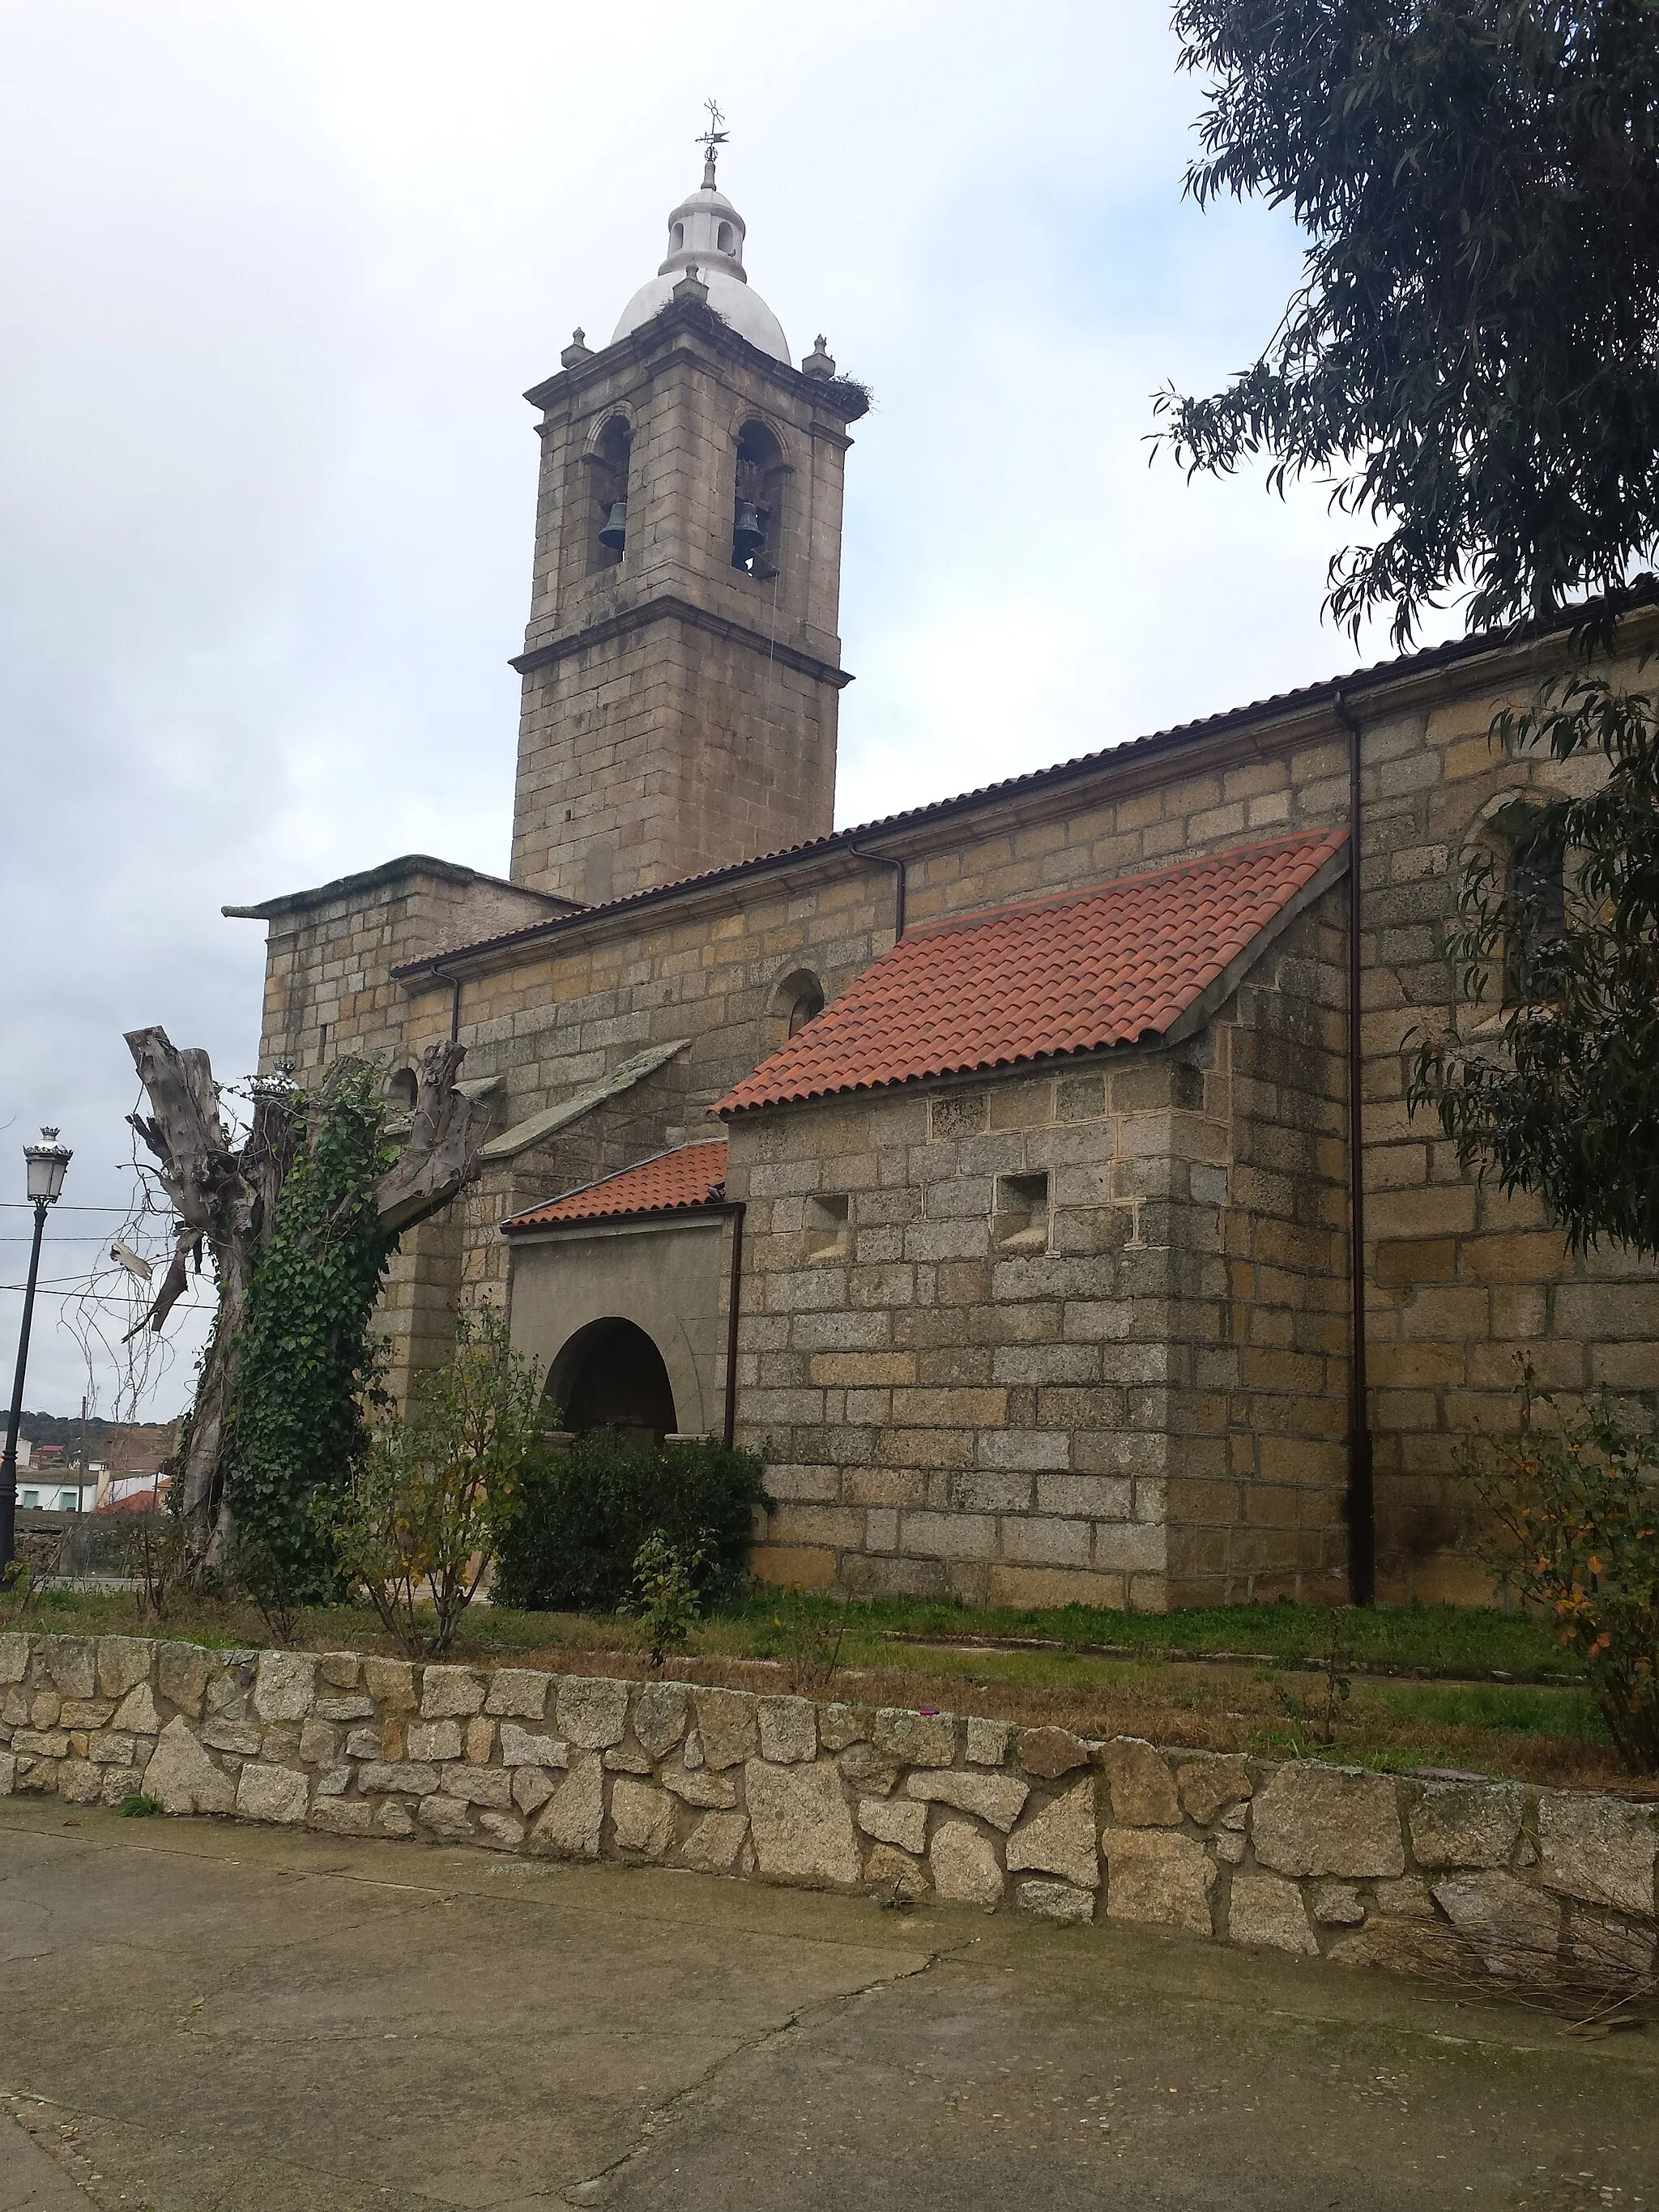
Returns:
(274, 278)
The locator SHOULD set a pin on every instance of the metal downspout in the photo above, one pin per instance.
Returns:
(1362, 1486)
(454, 983)
(737, 1209)
(885, 860)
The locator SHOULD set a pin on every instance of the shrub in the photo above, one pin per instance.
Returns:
(157, 1558)
(420, 1530)
(813, 1629)
(1576, 1507)
(582, 1513)
(18, 1589)
(277, 1579)
(665, 1602)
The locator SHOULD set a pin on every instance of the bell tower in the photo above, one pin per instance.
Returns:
(682, 668)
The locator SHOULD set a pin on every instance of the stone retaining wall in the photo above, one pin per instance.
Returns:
(1370, 1869)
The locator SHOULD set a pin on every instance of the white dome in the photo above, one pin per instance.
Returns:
(737, 304)
(706, 232)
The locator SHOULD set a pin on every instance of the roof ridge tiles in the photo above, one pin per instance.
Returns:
(1166, 872)
(1642, 594)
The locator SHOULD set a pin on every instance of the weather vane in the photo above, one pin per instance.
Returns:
(711, 140)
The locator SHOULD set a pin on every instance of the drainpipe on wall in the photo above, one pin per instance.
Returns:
(737, 1209)
(883, 861)
(1362, 1488)
(454, 983)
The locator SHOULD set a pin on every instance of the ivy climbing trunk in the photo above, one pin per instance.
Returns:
(227, 1199)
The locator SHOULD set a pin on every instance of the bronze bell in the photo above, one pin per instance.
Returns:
(748, 534)
(615, 532)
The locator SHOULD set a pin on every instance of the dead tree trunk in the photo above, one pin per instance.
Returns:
(225, 1198)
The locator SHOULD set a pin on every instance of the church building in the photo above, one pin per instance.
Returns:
(1029, 1174)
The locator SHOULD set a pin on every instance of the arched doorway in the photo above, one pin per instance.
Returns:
(612, 1376)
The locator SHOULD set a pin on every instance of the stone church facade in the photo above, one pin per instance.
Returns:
(996, 1167)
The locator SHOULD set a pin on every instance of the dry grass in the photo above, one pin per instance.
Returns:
(1199, 1709)
(1536, 1733)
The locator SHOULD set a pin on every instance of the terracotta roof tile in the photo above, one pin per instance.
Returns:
(1112, 965)
(673, 1183)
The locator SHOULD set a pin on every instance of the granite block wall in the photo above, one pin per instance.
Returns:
(956, 1399)
(1436, 1874)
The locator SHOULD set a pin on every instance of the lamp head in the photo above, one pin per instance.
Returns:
(48, 1163)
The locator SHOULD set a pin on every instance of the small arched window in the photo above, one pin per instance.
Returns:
(726, 238)
(797, 998)
(807, 1005)
(677, 244)
(1534, 891)
(757, 503)
(400, 1090)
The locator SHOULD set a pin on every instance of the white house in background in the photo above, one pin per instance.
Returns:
(54, 1490)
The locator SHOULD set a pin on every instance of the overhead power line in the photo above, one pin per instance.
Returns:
(27, 1205)
(50, 1241)
(98, 1298)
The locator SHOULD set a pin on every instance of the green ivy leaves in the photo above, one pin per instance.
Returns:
(297, 1434)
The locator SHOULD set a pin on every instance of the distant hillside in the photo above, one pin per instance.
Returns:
(65, 1429)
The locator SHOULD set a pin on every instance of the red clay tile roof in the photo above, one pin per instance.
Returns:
(1110, 966)
(673, 1182)
(139, 1498)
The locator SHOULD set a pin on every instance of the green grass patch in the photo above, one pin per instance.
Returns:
(1433, 1708)
(1428, 1640)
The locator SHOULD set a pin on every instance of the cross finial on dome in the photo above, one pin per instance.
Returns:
(711, 140)
(706, 229)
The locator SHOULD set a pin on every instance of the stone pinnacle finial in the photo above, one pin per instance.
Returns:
(578, 350)
(819, 361)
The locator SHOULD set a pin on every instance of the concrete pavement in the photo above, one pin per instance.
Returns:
(203, 2017)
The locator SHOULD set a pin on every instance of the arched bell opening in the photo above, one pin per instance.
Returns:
(612, 1376)
(757, 503)
(607, 466)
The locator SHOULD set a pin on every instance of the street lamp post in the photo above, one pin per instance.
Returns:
(48, 1163)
